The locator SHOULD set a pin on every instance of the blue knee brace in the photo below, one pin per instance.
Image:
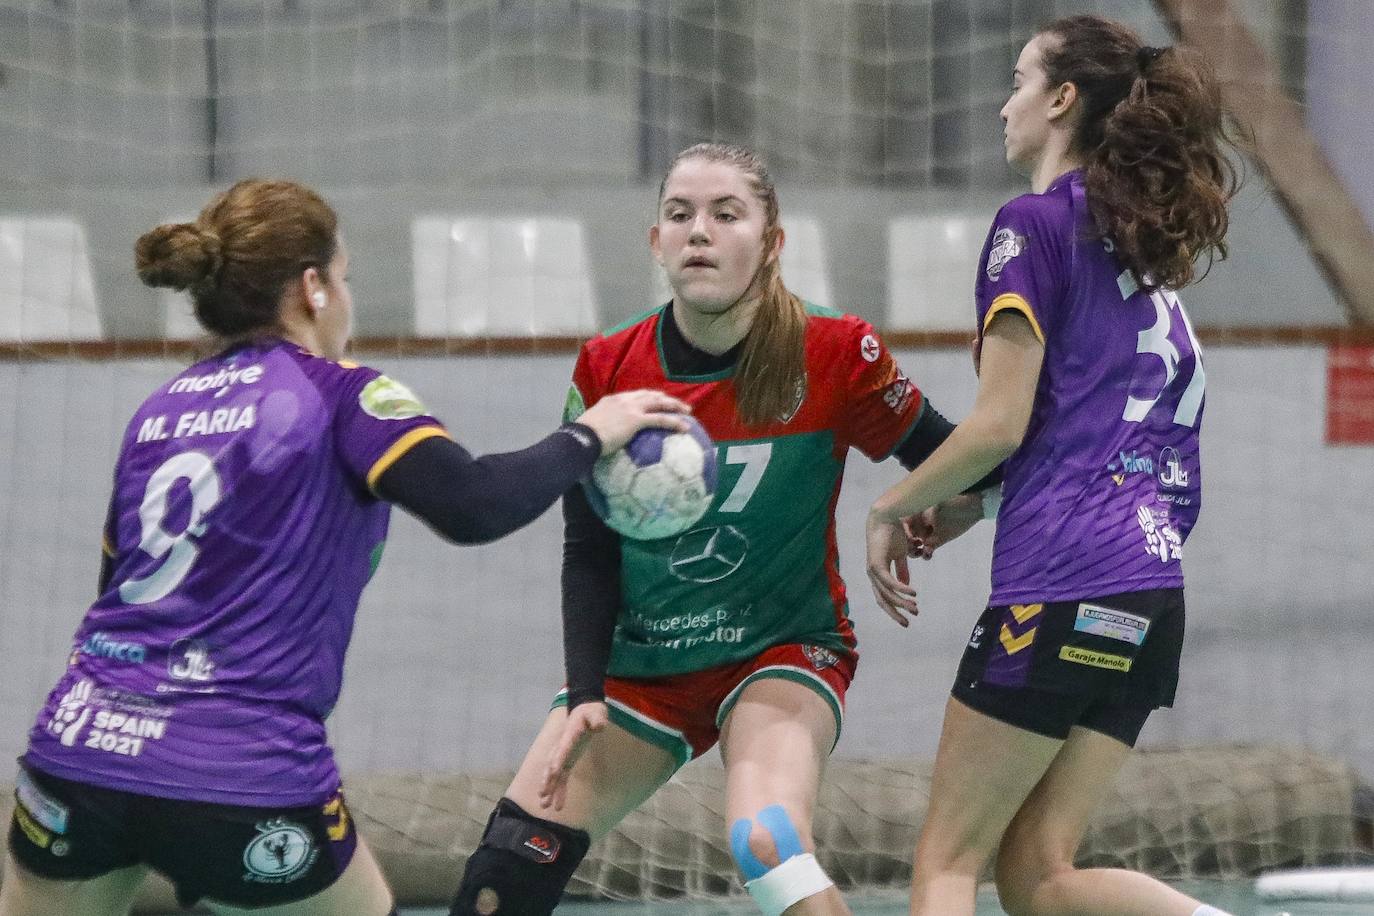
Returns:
(786, 841)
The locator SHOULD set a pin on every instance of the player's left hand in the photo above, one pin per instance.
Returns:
(888, 571)
(585, 720)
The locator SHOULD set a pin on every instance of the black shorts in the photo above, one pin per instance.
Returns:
(1100, 663)
(244, 857)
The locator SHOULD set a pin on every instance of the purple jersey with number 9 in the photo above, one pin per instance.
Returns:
(242, 530)
(1101, 495)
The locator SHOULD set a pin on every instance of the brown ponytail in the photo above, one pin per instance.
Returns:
(1154, 137)
(772, 365)
(237, 258)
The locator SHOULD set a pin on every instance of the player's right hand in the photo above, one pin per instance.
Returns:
(617, 417)
(941, 524)
(585, 720)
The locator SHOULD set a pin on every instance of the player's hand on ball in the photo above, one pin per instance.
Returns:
(585, 720)
(617, 417)
(888, 572)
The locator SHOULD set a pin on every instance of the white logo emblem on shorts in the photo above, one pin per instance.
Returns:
(820, 657)
(869, 348)
(279, 853)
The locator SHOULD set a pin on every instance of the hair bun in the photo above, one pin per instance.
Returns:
(179, 255)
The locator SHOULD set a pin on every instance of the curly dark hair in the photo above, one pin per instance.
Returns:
(1157, 146)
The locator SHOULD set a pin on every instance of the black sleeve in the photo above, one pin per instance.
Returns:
(474, 500)
(925, 437)
(591, 597)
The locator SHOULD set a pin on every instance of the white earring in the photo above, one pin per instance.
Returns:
(317, 299)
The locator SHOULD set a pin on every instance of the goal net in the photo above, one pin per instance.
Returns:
(495, 164)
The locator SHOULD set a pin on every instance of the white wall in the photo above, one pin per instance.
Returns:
(1339, 82)
(1270, 278)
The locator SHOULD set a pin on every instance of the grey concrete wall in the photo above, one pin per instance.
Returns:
(456, 652)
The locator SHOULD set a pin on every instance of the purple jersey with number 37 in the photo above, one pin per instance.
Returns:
(1101, 495)
(242, 530)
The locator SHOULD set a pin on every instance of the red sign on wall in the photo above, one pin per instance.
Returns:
(1350, 395)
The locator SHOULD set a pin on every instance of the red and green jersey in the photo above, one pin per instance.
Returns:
(761, 567)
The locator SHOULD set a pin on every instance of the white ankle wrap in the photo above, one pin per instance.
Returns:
(796, 879)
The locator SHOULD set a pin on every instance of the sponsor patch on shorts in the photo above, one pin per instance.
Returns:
(1111, 623)
(281, 852)
(820, 657)
(1095, 659)
(44, 810)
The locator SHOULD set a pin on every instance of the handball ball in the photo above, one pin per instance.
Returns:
(659, 485)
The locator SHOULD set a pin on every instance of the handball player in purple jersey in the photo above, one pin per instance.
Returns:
(251, 499)
(1091, 391)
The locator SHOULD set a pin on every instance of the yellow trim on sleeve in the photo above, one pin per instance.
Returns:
(106, 546)
(1016, 303)
(399, 448)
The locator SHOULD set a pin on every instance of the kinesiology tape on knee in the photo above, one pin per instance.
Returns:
(521, 866)
(797, 876)
(786, 841)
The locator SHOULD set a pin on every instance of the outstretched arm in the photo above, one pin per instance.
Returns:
(1010, 372)
(474, 500)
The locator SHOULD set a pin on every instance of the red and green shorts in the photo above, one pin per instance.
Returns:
(683, 713)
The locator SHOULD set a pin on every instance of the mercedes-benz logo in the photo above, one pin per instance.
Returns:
(708, 554)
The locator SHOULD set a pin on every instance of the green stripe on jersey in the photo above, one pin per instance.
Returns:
(822, 311)
(631, 322)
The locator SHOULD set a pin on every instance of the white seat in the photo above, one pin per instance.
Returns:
(932, 260)
(46, 288)
(805, 268)
(477, 276)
